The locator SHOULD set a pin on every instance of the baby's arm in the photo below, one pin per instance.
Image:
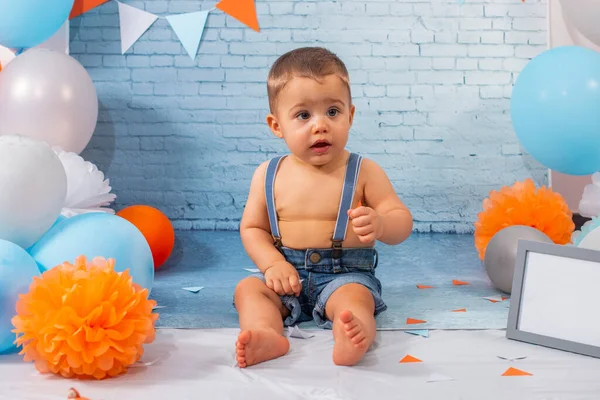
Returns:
(255, 232)
(395, 219)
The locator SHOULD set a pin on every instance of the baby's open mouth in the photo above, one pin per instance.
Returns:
(320, 144)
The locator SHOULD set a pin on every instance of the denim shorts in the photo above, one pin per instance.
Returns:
(322, 275)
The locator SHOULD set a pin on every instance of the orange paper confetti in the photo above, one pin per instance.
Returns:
(460, 310)
(242, 10)
(515, 372)
(409, 359)
(414, 321)
(83, 6)
(458, 283)
(424, 287)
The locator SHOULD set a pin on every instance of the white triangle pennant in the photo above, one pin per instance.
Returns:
(189, 28)
(134, 22)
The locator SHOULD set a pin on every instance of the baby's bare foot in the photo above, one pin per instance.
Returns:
(351, 342)
(256, 346)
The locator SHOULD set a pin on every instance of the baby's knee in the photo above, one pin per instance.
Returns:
(249, 286)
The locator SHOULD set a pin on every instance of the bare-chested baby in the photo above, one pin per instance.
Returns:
(313, 217)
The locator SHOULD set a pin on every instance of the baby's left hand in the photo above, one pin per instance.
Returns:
(366, 223)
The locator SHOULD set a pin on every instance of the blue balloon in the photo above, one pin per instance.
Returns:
(28, 23)
(555, 109)
(17, 269)
(97, 234)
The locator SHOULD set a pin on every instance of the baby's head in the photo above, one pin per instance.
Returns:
(310, 103)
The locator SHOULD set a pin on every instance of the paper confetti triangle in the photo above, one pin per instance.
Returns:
(415, 321)
(512, 358)
(254, 270)
(435, 377)
(296, 332)
(133, 23)
(459, 283)
(409, 359)
(494, 299)
(515, 372)
(83, 6)
(419, 332)
(194, 289)
(460, 310)
(189, 28)
(139, 364)
(424, 287)
(242, 10)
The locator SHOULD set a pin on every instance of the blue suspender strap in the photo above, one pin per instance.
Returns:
(350, 179)
(270, 198)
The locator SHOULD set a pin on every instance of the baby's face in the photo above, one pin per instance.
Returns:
(314, 118)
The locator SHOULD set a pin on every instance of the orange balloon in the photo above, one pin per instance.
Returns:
(156, 228)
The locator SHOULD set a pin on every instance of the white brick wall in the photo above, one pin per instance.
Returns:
(431, 80)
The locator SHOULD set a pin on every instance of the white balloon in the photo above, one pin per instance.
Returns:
(6, 56)
(591, 240)
(48, 95)
(584, 15)
(33, 186)
(87, 190)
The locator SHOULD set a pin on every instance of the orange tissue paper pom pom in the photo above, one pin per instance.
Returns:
(84, 320)
(523, 204)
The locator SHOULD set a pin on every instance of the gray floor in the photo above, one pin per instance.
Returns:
(216, 260)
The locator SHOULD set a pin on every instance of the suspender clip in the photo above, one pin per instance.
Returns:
(337, 249)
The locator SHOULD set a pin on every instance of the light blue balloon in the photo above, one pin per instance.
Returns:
(97, 234)
(555, 109)
(28, 23)
(17, 269)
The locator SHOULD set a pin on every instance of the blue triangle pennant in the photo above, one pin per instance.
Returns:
(189, 28)
(419, 332)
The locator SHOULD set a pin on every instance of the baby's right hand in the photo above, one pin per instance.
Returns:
(283, 279)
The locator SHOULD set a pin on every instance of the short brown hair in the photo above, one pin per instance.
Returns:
(308, 62)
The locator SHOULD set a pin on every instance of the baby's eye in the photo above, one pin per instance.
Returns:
(303, 115)
(332, 112)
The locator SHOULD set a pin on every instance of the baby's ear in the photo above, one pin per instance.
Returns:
(274, 125)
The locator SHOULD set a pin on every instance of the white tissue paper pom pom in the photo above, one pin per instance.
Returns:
(87, 190)
(589, 205)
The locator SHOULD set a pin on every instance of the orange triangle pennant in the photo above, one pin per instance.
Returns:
(414, 321)
(242, 10)
(460, 310)
(515, 372)
(458, 283)
(409, 359)
(424, 287)
(83, 6)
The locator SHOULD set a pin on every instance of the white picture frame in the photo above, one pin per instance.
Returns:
(555, 298)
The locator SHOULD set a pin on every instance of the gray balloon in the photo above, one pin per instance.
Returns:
(501, 253)
(49, 96)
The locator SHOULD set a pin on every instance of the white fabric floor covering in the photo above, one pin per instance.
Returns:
(199, 364)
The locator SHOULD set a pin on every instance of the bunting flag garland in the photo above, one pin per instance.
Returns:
(189, 27)
(134, 22)
(242, 10)
(83, 6)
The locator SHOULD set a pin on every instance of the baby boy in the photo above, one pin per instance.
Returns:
(313, 217)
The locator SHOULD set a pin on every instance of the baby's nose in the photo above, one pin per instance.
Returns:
(320, 125)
